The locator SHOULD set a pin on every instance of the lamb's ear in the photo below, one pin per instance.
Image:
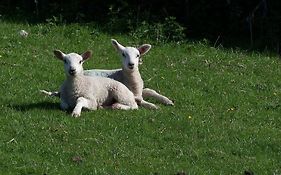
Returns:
(59, 54)
(143, 49)
(86, 55)
(116, 45)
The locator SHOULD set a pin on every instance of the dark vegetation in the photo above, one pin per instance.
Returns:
(249, 24)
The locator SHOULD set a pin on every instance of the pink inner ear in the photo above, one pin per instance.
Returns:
(86, 55)
(142, 50)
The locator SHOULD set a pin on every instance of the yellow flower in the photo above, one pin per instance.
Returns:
(231, 109)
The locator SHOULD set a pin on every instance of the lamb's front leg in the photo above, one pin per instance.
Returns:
(83, 103)
(141, 102)
(152, 93)
(148, 105)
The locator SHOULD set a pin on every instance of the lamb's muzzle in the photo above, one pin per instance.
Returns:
(131, 65)
(72, 71)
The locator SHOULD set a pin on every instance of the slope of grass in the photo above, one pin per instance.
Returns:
(226, 118)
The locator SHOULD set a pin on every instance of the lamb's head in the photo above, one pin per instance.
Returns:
(73, 62)
(131, 56)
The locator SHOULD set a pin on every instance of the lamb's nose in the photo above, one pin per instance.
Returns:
(72, 71)
(131, 65)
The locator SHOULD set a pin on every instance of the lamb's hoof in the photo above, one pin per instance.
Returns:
(154, 107)
(75, 114)
(148, 105)
(115, 106)
(169, 103)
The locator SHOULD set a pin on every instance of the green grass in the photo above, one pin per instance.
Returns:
(226, 118)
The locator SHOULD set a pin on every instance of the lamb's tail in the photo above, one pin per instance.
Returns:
(51, 94)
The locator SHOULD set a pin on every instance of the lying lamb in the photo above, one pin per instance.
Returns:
(79, 91)
(130, 75)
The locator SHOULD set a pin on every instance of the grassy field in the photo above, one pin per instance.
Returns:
(226, 118)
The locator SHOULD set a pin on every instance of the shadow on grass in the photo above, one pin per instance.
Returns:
(31, 106)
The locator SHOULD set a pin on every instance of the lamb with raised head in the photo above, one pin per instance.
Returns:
(130, 74)
(79, 91)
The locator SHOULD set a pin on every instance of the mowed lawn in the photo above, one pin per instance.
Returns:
(226, 118)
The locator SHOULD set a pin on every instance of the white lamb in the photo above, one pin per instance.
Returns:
(130, 75)
(80, 91)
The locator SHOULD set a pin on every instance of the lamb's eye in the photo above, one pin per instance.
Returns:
(81, 62)
(138, 56)
(123, 54)
(64, 61)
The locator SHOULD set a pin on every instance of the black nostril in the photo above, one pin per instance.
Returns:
(72, 71)
(131, 64)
